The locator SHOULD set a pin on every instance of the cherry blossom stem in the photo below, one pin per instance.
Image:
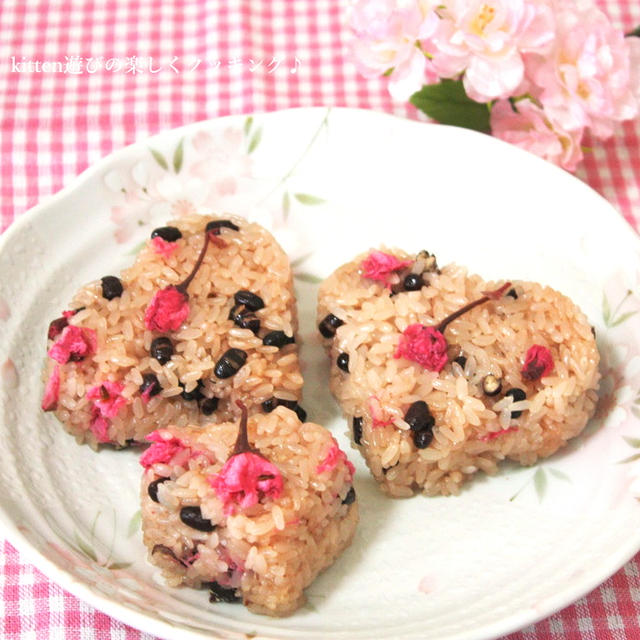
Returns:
(489, 295)
(182, 287)
(242, 441)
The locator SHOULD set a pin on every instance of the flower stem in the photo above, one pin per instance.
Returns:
(182, 287)
(488, 295)
(242, 441)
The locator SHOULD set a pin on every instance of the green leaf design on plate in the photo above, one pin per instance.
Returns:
(248, 123)
(308, 199)
(178, 156)
(114, 566)
(255, 139)
(134, 523)
(159, 158)
(606, 309)
(632, 458)
(632, 442)
(448, 103)
(560, 474)
(307, 277)
(298, 261)
(622, 318)
(540, 483)
(286, 205)
(85, 548)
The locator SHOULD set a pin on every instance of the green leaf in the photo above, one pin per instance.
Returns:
(622, 318)
(560, 474)
(307, 277)
(630, 459)
(134, 523)
(178, 156)
(159, 158)
(635, 32)
(255, 140)
(448, 103)
(633, 442)
(286, 204)
(298, 261)
(606, 309)
(85, 548)
(305, 198)
(114, 566)
(540, 483)
(247, 125)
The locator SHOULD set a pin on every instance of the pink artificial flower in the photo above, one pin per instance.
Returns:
(244, 479)
(52, 390)
(163, 247)
(73, 344)
(164, 448)
(486, 39)
(538, 363)
(168, 309)
(633, 45)
(527, 126)
(334, 456)
(99, 425)
(424, 345)
(387, 33)
(381, 266)
(586, 81)
(107, 398)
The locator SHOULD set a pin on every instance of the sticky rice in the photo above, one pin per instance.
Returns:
(120, 367)
(519, 374)
(263, 548)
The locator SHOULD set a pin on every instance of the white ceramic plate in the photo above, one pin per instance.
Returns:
(330, 184)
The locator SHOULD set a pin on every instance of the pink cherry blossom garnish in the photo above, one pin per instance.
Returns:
(424, 345)
(107, 398)
(246, 476)
(165, 446)
(492, 435)
(56, 326)
(380, 266)
(334, 456)
(538, 363)
(379, 417)
(163, 247)
(52, 391)
(99, 425)
(169, 307)
(73, 344)
(427, 345)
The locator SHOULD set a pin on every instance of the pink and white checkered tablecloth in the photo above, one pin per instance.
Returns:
(137, 67)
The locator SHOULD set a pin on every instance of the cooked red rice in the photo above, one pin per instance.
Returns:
(252, 260)
(268, 553)
(472, 431)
